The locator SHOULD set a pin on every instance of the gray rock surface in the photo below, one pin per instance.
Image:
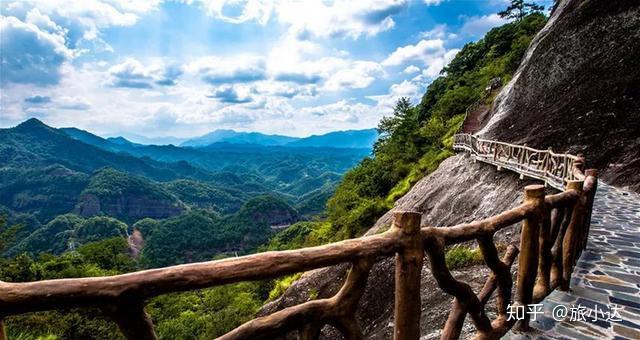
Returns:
(578, 89)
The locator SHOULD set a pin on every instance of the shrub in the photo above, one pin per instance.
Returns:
(461, 256)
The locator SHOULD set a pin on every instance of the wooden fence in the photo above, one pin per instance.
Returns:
(554, 231)
(555, 169)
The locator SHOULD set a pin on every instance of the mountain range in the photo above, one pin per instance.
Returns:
(338, 139)
(46, 173)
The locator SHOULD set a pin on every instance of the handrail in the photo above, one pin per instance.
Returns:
(553, 168)
(554, 232)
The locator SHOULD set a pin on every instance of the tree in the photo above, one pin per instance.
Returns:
(519, 9)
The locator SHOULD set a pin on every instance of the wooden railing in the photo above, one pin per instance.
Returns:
(554, 231)
(555, 169)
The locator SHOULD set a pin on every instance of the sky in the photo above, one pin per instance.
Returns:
(182, 68)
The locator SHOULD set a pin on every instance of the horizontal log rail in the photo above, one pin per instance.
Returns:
(555, 169)
(554, 232)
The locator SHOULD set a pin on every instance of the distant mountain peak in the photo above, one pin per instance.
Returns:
(32, 123)
(120, 140)
(235, 137)
(359, 139)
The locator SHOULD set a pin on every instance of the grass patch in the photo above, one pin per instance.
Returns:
(461, 256)
(281, 285)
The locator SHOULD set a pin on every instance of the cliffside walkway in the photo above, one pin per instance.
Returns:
(603, 300)
(607, 273)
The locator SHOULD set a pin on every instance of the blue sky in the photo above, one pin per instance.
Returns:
(185, 67)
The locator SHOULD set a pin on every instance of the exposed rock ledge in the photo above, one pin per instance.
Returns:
(578, 89)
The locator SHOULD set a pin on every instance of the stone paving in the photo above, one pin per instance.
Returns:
(604, 300)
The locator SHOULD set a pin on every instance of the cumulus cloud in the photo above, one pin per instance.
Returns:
(411, 69)
(249, 10)
(43, 22)
(231, 95)
(436, 64)
(423, 51)
(73, 103)
(241, 69)
(477, 26)
(89, 16)
(280, 89)
(340, 18)
(340, 111)
(38, 100)
(440, 31)
(359, 74)
(133, 74)
(431, 53)
(313, 18)
(300, 77)
(170, 75)
(307, 64)
(29, 54)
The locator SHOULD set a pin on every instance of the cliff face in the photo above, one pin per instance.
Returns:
(128, 207)
(578, 89)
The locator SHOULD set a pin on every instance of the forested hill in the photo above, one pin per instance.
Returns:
(46, 173)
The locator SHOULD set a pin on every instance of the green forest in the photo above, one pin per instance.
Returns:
(52, 226)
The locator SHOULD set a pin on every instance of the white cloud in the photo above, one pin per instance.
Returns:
(357, 75)
(250, 10)
(31, 55)
(424, 51)
(412, 89)
(303, 63)
(72, 103)
(440, 31)
(133, 74)
(317, 18)
(232, 94)
(85, 18)
(239, 69)
(436, 64)
(340, 18)
(477, 26)
(411, 69)
(43, 22)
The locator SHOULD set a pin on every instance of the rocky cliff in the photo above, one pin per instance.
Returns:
(576, 91)
(459, 191)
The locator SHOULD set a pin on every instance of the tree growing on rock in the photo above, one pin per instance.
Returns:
(519, 9)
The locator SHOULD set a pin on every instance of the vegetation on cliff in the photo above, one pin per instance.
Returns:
(416, 138)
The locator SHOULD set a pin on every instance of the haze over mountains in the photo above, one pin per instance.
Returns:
(337, 139)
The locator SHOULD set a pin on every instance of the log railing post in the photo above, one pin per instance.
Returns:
(543, 284)
(133, 321)
(589, 208)
(3, 332)
(409, 261)
(572, 240)
(529, 243)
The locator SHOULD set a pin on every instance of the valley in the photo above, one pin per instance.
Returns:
(220, 197)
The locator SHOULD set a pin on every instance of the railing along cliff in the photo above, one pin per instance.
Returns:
(554, 232)
(555, 169)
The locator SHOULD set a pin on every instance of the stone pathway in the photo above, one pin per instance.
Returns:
(607, 273)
